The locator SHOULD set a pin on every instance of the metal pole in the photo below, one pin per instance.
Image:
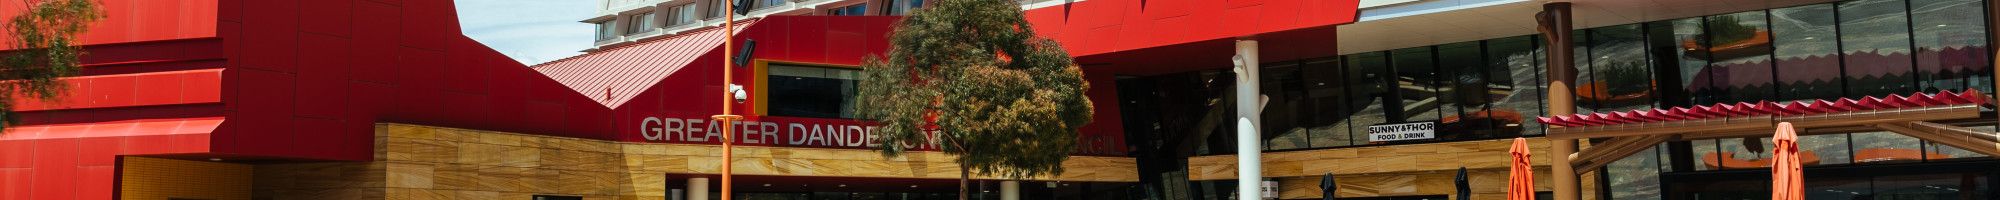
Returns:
(727, 119)
(1555, 27)
(1249, 165)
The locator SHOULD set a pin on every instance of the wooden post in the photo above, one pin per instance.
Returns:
(1554, 23)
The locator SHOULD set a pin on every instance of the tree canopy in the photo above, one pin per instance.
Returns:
(972, 76)
(41, 49)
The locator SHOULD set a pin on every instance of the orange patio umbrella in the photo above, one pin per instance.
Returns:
(1786, 181)
(1520, 180)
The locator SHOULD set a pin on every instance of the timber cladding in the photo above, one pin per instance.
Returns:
(1393, 170)
(160, 178)
(425, 162)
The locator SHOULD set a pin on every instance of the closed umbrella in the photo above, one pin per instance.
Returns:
(1786, 181)
(1464, 186)
(1521, 179)
(1326, 187)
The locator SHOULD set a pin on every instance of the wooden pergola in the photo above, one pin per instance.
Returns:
(1916, 115)
(1631, 132)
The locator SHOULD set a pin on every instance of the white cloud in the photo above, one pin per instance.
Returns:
(530, 31)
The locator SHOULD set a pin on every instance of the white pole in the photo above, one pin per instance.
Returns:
(697, 189)
(1010, 190)
(1249, 167)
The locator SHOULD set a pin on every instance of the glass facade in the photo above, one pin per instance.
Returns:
(1493, 88)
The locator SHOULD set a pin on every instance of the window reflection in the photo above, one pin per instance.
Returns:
(1636, 177)
(1327, 125)
(1621, 80)
(1461, 90)
(817, 92)
(1368, 80)
(1951, 44)
(1515, 84)
(1287, 107)
(1874, 38)
(1807, 65)
(1416, 78)
(1740, 48)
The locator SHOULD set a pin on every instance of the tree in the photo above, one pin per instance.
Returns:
(972, 77)
(41, 50)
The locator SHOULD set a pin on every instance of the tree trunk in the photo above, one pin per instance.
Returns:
(963, 176)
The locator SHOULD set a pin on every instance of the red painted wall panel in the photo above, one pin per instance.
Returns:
(137, 21)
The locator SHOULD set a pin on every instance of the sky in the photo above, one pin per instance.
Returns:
(530, 31)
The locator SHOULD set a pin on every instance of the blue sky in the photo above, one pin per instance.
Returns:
(530, 31)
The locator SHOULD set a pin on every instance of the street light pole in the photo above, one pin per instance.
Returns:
(728, 120)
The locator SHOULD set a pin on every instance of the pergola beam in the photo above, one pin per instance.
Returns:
(1760, 125)
(1599, 155)
(1664, 128)
(1970, 140)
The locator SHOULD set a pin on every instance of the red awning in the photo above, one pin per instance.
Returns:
(1803, 107)
(143, 127)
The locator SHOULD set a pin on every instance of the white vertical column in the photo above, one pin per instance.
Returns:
(697, 189)
(1249, 164)
(1010, 190)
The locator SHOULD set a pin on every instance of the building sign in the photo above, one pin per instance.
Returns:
(770, 131)
(1403, 131)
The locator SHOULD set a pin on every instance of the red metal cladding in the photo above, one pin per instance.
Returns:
(1743, 109)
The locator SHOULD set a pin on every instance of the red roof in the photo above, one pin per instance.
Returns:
(613, 76)
(1803, 107)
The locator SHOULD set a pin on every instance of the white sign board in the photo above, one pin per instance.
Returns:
(1403, 131)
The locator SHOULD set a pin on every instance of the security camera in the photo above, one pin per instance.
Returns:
(737, 92)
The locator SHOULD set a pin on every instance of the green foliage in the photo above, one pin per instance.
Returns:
(41, 50)
(1003, 100)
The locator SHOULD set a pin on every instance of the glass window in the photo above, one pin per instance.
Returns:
(639, 23)
(1950, 38)
(606, 30)
(818, 92)
(1328, 96)
(762, 4)
(1808, 66)
(1368, 93)
(1741, 153)
(1706, 155)
(1635, 177)
(851, 10)
(680, 15)
(1461, 92)
(1680, 44)
(1885, 147)
(1828, 149)
(1621, 78)
(901, 7)
(1287, 107)
(717, 7)
(1875, 42)
(1516, 84)
(1416, 77)
(1580, 59)
(1739, 44)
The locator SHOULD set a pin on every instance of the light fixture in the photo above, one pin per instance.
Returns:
(843, 185)
(215, 159)
(913, 186)
(767, 185)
